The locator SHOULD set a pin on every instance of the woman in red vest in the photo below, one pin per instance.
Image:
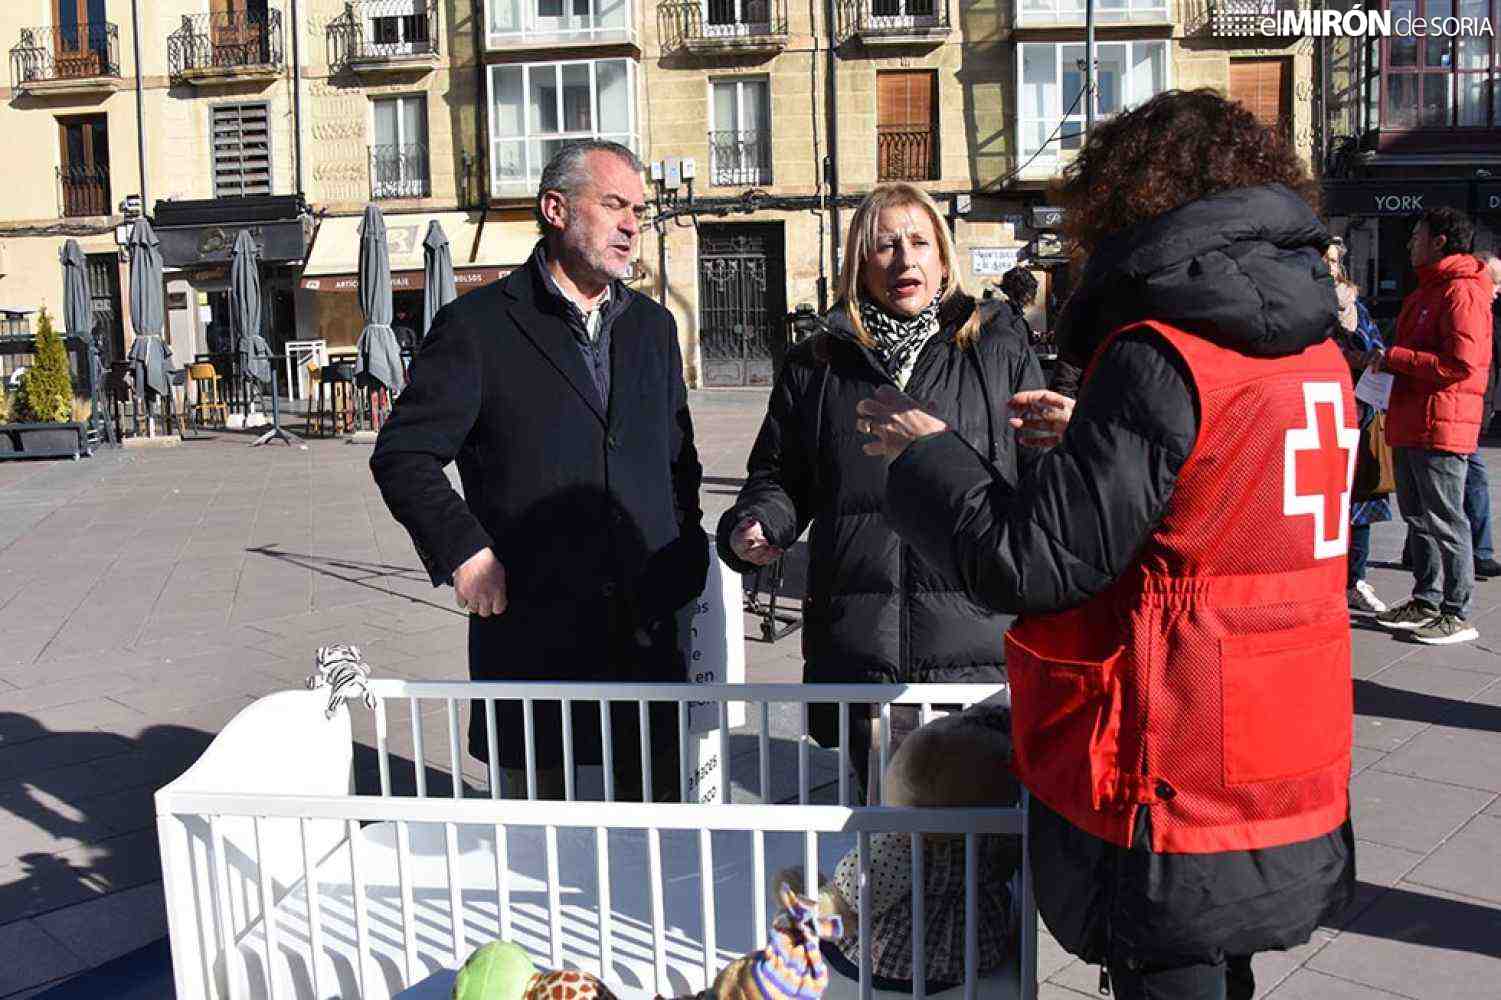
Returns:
(1181, 668)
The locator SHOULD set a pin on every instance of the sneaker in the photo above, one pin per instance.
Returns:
(1362, 597)
(1446, 629)
(1410, 614)
(1487, 568)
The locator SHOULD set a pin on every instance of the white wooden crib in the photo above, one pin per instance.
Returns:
(282, 882)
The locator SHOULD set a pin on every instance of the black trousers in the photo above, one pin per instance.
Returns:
(1230, 979)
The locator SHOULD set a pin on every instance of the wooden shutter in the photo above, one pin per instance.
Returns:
(905, 125)
(1264, 87)
(242, 150)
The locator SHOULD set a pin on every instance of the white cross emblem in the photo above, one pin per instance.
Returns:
(1316, 477)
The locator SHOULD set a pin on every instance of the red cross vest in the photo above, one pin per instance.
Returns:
(1210, 684)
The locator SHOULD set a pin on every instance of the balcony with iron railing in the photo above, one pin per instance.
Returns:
(380, 37)
(906, 152)
(895, 22)
(740, 158)
(398, 171)
(729, 26)
(226, 47)
(78, 58)
(85, 191)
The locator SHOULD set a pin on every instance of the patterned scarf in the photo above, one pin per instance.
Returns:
(898, 340)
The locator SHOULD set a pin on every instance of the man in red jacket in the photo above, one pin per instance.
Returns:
(1441, 359)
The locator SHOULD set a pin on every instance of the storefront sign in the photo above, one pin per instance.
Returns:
(1488, 197)
(464, 279)
(1394, 197)
(1046, 217)
(187, 246)
(988, 261)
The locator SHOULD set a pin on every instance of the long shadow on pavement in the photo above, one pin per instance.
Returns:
(1372, 698)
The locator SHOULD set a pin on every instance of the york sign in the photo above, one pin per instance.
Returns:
(1399, 203)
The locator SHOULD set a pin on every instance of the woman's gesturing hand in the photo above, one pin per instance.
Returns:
(748, 542)
(1041, 415)
(895, 420)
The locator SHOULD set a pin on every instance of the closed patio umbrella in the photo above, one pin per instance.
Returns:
(379, 361)
(437, 267)
(245, 310)
(148, 353)
(78, 321)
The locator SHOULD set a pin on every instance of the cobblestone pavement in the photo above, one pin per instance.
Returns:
(146, 596)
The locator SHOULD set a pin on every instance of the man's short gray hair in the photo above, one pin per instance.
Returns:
(566, 173)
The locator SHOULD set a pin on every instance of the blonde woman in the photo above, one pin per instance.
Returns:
(874, 611)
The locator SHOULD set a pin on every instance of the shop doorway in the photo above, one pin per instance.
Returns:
(742, 302)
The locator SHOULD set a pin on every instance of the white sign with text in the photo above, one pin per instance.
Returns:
(993, 261)
(716, 655)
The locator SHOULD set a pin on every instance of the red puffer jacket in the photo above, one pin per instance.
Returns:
(1441, 358)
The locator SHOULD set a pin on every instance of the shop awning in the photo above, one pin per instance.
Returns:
(484, 249)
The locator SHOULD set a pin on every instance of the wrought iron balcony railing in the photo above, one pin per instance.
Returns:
(906, 152)
(726, 22)
(740, 157)
(398, 171)
(65, 52)
(85, 191)
(225, 41)
(383, 30)
(875, 18)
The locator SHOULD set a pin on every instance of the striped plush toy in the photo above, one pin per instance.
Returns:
(791, 966)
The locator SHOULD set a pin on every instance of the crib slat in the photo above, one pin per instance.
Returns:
(919, 922)
(926, 715)
(567, 709)
(810, 864)
(455, 891)
(233, 960)
(453, 749)
(607, 742)
(502, 881)
(971, 917)
(361, 905)
(418, 754)
(528, 732)
(760, 886)
(658, 932)
(802, 754)
(683, 751)
(268, 914)
(606, 931)
(554, 901)
(645, 728)
(382, 751)
(1028, 909)
(706, 902)
(844, 753)
(880, 781)
(865, 957)
(493, 743)
(404, 883)
(314, 907)
(763, 752)
(724, 754)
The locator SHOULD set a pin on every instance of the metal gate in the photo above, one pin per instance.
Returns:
(742, 303)
(104, 299)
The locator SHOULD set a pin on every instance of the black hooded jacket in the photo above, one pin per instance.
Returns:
(1241, 268)
(874, 611)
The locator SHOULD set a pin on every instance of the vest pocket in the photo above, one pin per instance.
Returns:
(1287, 701)
(1065, 710)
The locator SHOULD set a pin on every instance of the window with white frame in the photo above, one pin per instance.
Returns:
(538, 108)
(520, 20)
(736, 17)
(400, 27)
(740, 141)
(398, 156)
(1105, 11)
(1050, 83)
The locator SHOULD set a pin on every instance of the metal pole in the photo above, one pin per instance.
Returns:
(135, 32)
(1088, 68)
(832, 113)
(297, 93)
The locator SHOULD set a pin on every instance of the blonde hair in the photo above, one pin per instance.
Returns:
(862, 237)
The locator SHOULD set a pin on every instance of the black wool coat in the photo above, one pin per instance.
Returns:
(592, 510)
(875, 611)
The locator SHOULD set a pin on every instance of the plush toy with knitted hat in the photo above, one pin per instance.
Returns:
(791, 966)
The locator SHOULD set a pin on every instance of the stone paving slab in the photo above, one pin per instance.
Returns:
(126, 642)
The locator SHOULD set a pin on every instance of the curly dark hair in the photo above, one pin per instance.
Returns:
(1176, 148)
(1454, 225)
(1019, 286)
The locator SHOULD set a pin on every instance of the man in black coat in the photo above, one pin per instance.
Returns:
(559, 392)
